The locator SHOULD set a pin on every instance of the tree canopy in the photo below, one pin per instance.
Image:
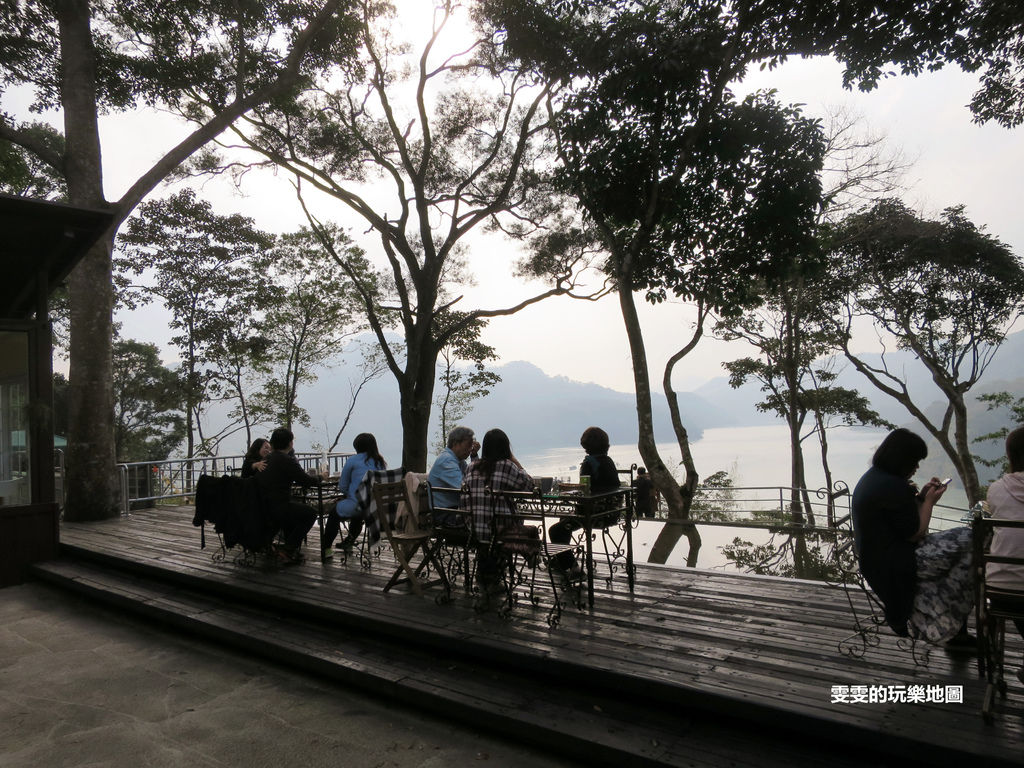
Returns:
(211, 59)
(688, 190)
(454, 145)
(943, 289)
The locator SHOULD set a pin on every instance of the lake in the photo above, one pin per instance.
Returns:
(755, 457)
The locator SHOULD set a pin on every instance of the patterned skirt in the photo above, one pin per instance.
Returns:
(945, 593)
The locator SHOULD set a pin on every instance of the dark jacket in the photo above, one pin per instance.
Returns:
(885, 516)
(275, 482)
(601, 470)
(234, 506)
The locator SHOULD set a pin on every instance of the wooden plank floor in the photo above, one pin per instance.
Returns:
(760, 649)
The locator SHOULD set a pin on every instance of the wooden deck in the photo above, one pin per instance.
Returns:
(753, 652)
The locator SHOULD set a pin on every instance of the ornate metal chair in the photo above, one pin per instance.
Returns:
(526, 553)
(993, 606)
(453, 530)
(866, 609)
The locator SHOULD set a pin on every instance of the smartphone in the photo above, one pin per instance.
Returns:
(946, 482)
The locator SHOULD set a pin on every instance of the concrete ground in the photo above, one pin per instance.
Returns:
(84, 686)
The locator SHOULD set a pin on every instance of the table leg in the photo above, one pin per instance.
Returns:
(320, 520)
(630, 568)
(589, 527)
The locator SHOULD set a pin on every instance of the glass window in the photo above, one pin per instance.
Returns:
(15, 479)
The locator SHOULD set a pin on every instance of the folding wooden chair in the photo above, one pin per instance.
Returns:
(407, 543)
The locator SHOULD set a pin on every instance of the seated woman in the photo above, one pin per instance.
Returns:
(922, 579)
(367, 457)
(496, 470)
(1006, 502)
(603, 478)
(256, 457)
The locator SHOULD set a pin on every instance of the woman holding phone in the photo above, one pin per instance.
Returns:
(923, 579)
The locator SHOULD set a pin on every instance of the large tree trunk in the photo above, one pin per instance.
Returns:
(416, 402)
(966, 467)
(91, 473)
(664, 481)
(829, 490)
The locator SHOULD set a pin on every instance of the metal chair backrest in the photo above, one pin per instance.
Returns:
(1006, 601)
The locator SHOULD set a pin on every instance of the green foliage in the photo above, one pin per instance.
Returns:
(313, 309)
(180, 54)
(691, 192)
(23, 173)
(713, 498)
(995, 401)
(944, 288)
(460, 386)
(210, 272)
(148, 403)
(996, 46)
(946, 291)
(454, 145)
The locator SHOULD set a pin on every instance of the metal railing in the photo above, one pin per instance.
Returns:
(768, 506)
(149, 482)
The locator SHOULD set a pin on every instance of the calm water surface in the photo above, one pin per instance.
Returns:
(754, 457)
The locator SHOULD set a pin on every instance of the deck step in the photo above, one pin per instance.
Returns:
(583, 725)
(754, 655)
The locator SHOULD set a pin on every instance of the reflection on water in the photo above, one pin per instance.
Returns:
(739, 549)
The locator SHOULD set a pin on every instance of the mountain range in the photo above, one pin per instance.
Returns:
(539, 411)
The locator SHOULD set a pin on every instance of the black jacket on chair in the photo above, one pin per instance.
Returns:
(235, 508)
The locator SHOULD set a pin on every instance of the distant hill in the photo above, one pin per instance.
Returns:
(536, 410)
(540, 411)
(1004, 374)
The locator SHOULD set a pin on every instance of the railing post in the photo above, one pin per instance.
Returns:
(123, 472)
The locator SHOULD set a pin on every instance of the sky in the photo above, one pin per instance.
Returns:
(956, 161)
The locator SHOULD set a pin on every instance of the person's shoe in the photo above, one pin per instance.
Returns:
(329, 553)
(963, 642)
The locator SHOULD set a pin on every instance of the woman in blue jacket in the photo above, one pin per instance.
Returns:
(367, 457)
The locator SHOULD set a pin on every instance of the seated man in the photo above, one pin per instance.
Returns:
(448, 472)
(275, 484)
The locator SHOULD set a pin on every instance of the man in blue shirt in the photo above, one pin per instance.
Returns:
(450, 467)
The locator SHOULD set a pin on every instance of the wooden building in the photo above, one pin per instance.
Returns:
(40, 243)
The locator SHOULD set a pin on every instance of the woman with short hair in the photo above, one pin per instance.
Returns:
(603, 477)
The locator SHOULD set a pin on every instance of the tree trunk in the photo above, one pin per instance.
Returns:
(830, 510)
(967, 469)
(91, 461)
(416, 402)
(664, 481)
